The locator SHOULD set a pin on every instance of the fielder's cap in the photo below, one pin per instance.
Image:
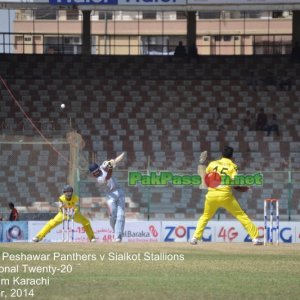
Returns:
(93, 167)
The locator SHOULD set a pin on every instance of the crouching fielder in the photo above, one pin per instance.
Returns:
(67, 200)
(115, 196)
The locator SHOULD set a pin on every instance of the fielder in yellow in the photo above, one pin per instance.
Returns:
(222, 196)
(67, 200)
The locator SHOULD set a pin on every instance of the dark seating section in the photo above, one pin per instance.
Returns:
(162, 112)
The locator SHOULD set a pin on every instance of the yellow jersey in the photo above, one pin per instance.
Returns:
(223, 166)
(72, 203)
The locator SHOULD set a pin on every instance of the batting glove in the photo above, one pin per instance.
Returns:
(112, 163)
(106, 165)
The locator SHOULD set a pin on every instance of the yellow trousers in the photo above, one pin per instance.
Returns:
(78, 218)
(218, 199)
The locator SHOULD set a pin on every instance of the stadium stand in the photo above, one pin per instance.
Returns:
(161, 111)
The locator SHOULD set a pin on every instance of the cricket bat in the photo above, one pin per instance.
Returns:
(117, 160)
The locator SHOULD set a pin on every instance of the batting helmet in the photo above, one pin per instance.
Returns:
(67, 188)
(93, 167)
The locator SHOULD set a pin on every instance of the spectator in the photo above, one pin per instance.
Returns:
(247, 122)
(14, 215)
(273, 125)
(219, 119)
(180, 50)
(285, 83)
(252, 81)
(193, 51)
(261, 121)
(269, 79)
(296, 51)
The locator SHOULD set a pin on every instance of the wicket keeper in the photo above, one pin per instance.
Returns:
(67, 200)
(222, 196)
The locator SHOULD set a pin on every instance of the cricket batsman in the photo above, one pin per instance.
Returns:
(115, 195)
(67, 200)
(222, 196)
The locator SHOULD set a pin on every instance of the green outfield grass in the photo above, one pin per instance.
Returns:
(164, 271)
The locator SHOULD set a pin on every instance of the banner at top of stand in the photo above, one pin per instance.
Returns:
(118, 2)
(154, 2)
(168, 2)
(229, 2)
(205, 3)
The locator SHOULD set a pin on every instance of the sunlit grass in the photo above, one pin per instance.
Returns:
(174, 271)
